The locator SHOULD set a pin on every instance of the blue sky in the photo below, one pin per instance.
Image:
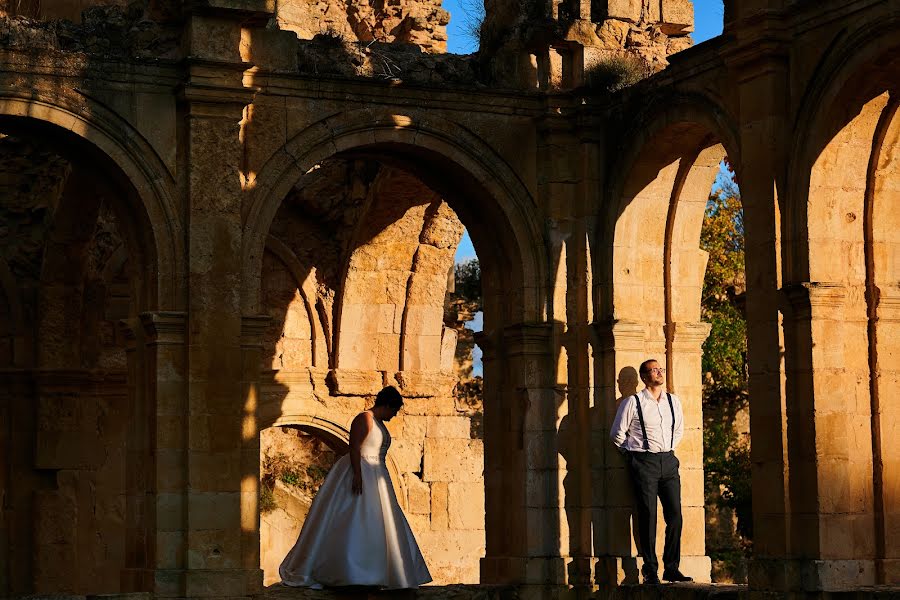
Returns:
(707, 19)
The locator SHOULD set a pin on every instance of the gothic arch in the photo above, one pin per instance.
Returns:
(70, 122)
(841, 269)
(436, 150)
(651, 271)
(859, 67)
(665, 144)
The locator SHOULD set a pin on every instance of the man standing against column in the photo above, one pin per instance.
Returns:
(647, 428)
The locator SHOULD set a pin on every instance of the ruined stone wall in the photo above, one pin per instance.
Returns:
(421, 23)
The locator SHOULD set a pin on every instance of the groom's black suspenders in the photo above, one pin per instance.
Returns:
(637, 402)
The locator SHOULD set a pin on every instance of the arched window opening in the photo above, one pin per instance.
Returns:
(362, 287)
(78, 455)
(465, 314)
(726, 405)
(294, 461)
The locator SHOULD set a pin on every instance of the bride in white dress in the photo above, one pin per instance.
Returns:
(355, 532)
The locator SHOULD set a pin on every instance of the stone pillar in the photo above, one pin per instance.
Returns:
(221, 487)
(762, 92)
(621, 346)
(684, 378)
(253, 330)
(829, 440)
(886, 330)
(522, 464)
(157, 478)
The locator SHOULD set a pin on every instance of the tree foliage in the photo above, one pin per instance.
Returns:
(468, 283)
(725, 393)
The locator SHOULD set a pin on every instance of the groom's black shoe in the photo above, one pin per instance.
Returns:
(651, 579)
(676, 576)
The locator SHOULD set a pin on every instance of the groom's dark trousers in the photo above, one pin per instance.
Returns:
(655, 474)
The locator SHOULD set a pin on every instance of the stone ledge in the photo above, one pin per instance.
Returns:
(434, 592)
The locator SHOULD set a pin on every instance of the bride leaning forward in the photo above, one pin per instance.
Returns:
(355, 532)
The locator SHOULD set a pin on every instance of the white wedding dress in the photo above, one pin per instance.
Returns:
(350, 539)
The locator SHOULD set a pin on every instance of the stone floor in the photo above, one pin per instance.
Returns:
(485, 592)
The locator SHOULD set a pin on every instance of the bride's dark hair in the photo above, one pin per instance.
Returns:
(389, 396)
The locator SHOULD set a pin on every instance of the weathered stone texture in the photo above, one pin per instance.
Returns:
(422, 23)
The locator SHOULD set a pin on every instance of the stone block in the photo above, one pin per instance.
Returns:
(422, 352)
(426, 384)
(625, 10)
(448, 548)
(407, 454)
(214, 549)
(415, 427)
(693, 536)
(433, 261)
(419, 494)
(449, 338)
(56, 518)
(453, 460)
(449, 427)
(386, 352)
(170, 511)
(692, 487)
(465, 505)
(214, 471)
(269, 49)
(677, 17)
(422, 319)
(169, 549)
(347, 382)
(440, 519)
(214, 510)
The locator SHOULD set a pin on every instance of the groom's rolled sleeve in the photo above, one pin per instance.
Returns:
(619, 431)
(679, 424)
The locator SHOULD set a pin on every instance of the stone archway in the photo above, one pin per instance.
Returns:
(649, 286)
(91, 259)
(494, 205)
(840, 285)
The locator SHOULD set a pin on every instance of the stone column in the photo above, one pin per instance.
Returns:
(762, 92)
(253, 330)
(829, 440)
(886, 330)
(221, 497)
(685, 379)
(524, 521)
(157, 478)
(621, 345)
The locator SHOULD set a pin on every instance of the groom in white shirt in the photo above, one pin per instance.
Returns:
(647, 428)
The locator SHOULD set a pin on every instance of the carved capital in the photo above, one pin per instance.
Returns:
(688, 334)
(164, 327)
(802, 299)
(529, 339)
(619, 334)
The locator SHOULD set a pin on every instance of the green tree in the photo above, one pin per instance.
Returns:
(468, 283)
(725, 393)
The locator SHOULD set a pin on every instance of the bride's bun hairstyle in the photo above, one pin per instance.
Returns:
(389, 396)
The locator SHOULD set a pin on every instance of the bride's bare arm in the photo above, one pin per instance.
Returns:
(359, 429)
